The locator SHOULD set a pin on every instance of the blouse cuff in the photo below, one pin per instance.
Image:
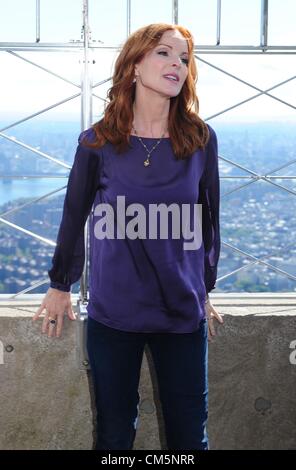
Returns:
(59, 286)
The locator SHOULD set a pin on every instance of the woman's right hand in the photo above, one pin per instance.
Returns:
(56, 303)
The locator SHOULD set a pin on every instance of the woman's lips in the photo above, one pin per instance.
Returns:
(171, 80)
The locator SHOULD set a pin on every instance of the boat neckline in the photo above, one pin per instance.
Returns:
(150, 138)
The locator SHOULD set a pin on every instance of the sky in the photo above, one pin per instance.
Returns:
(24, 89)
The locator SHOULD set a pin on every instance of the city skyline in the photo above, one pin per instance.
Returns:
(257, 219)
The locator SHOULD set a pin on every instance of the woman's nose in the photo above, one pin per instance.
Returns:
(177, 62)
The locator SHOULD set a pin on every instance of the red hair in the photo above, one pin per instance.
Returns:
(186, 129)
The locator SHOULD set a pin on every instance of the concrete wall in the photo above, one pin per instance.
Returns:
(46, 401)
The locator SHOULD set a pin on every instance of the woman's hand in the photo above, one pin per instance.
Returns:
(211, 315)
(56, 303)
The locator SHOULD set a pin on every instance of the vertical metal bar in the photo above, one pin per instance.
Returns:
(86, 79)
(218, 38)
(175, 12)
(264, 24)
(37, 20)
(128, 17)
(86, 121)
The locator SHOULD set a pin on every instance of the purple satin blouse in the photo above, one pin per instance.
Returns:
(140, 284)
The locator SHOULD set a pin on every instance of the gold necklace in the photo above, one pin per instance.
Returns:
(147, 161)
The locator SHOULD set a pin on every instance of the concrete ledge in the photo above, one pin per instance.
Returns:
(47, 401)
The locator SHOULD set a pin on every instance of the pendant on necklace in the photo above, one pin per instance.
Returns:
(147, 162)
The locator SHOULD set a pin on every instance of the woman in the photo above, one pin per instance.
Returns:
(150, 148)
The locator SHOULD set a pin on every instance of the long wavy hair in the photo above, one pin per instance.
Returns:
(187, 130)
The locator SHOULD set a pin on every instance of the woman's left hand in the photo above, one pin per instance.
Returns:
(212, 314)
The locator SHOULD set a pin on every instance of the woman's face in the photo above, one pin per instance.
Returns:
(169, 57)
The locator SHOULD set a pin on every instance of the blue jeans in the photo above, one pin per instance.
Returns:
(181, 365)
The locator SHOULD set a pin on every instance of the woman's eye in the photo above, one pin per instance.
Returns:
(185, 61)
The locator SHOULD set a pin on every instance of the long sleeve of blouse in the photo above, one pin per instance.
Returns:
(69, 254)
(209, 197)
